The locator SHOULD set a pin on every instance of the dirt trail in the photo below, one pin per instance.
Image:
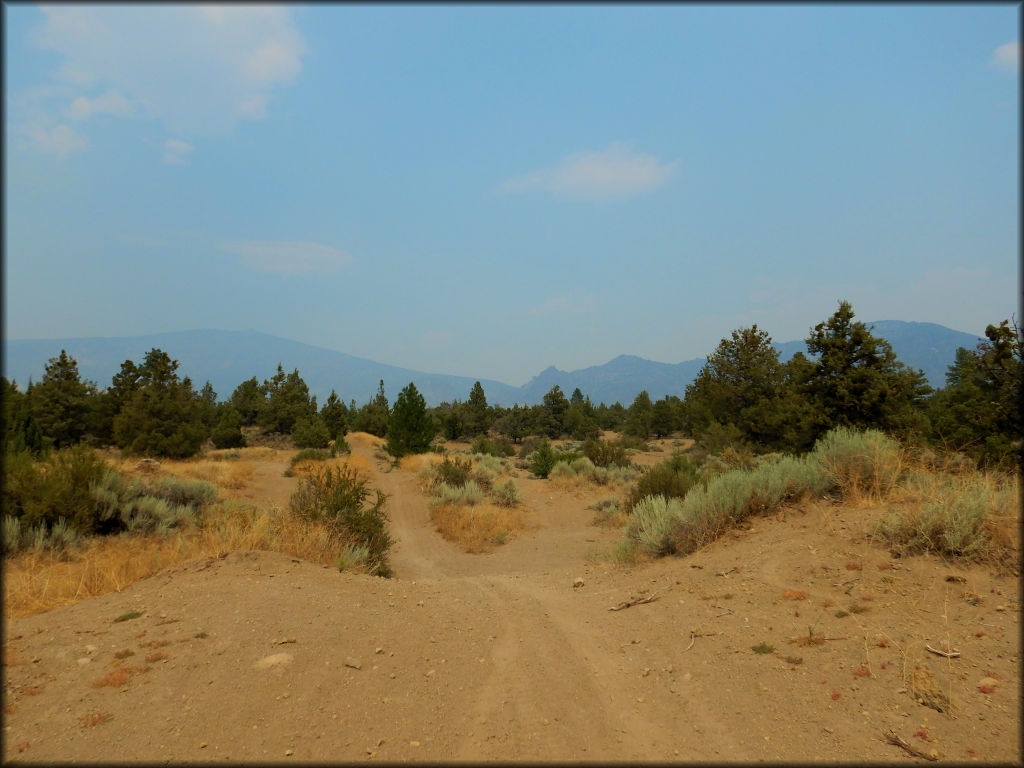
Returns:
(263, 657)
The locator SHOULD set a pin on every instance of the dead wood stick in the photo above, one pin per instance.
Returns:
(893, 738)
(948, 654)
(694, 636)
(726, 573)
(636, 601)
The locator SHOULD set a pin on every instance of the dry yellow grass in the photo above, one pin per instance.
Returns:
(34, 583)
(417, 461)
(477, 528)
(233, 475)
(357, 463)
(365, 438)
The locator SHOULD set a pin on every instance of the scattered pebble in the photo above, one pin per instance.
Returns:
(352, 662)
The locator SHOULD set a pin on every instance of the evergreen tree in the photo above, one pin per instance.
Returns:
(20, 432)
(373, 417)
(288, 401)
(227, 433)
(478, 417)
(61, 402)
(249, 399)
(513, 423)
(163, 416)
(639, 416)
(335, 416)
(858, 382)
(410, 428)
(979, 410)
(311, 432)
(552, 416)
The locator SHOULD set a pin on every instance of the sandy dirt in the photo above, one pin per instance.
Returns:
(258, 656)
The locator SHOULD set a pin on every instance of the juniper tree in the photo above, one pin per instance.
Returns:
(410, 427)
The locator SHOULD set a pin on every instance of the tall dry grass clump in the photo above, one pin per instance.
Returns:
(972, 516)
(477, 528)
(864, 466)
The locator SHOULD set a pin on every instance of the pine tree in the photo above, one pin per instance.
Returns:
(410, 428)
(61, 402)
(858, 382)
(163, 415)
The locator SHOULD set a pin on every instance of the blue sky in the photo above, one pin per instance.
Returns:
(486, 190)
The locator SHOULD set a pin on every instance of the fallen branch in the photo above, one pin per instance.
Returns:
(726, 573)
(694, 636)
(947, 654)
(637, 601)
(893, 738)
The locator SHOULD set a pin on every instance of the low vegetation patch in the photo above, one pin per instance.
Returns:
(338, 498)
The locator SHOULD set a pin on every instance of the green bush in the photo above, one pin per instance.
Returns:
(605, 454)
(339, 497)
(508, 494)
(44, 492)
(542, 460)
(652, 524)
(860, 462)
(453, 471)
(500, 447)
(189, 493)
(470, 493)
(671, 478)
(311, 432)
(561, 470)
(952, 517)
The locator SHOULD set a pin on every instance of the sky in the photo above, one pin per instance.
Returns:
(487, 190)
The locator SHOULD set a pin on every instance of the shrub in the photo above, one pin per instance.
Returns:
(311, 432)
(582, 466)
(500, 447)
(859, 463)
(652, 524)
(671, 478)
(950, 517)
(483, 476)
(542, 460)
(605, 454)
(339, 497)
(528, 446)
(508, 494)
(609, 513)
(189, 493)
(57, 488)
(469, 494)
(453, 471)
(353, 557)
(561, 471)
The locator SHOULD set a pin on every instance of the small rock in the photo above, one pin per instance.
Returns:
(84, 660)
(577, 582)
(274, 660)
(430, 673)
(353, 662)
(91, 649)
(414, 743)
(289, 752)
(202, 745)
(988, 682)
(378, 650)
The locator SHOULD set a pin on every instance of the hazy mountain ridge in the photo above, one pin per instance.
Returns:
(227, 358)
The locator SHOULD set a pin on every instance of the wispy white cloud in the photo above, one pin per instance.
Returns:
(198, 69)
(176, 151)
(110, 103)
(565, 305)
(298, 258)
(59, 140)
(614, 172)
(1007, 57)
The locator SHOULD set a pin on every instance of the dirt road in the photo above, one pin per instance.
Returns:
(262, 657)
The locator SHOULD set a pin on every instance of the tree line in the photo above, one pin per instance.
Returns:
(743, 395)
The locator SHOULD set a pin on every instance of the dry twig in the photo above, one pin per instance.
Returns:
(894, 738)
(637, 601)
(951, 654)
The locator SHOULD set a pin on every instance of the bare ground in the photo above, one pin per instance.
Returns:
(258, 656)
